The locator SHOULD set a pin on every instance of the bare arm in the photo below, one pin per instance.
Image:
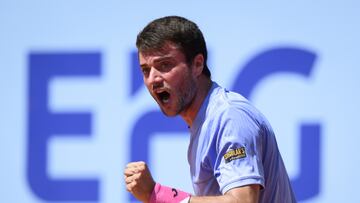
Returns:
(245, 194)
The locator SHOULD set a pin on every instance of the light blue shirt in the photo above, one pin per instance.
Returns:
(233, 145)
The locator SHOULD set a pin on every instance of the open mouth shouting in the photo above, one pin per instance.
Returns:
(163, 96)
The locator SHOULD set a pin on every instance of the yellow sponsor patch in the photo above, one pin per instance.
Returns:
(235, 154)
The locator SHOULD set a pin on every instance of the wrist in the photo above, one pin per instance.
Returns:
(164, 194)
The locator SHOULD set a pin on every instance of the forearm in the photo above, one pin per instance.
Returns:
(245, 194)
(212, 199)
(216, 199)
(166, 194)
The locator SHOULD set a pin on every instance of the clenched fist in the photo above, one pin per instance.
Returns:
(139, 181)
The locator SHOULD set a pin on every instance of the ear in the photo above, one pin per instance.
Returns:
(198, 65)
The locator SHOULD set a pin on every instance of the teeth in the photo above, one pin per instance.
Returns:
(165, 100)
(164, 96)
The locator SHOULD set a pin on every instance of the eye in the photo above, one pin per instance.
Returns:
(165, 66)
(145, 71)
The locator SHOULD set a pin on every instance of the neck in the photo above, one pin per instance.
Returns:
(204, 85)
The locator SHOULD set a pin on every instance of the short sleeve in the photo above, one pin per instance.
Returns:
(239, 151)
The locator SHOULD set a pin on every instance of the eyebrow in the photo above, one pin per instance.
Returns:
(166, 57)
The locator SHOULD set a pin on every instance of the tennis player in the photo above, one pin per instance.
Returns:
(233, 154)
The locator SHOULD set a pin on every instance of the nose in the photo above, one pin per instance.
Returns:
(155, 78)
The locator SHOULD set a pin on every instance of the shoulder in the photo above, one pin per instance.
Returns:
(236, 117)
(231, 107)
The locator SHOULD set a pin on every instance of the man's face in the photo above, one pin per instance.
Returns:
(169, 79)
